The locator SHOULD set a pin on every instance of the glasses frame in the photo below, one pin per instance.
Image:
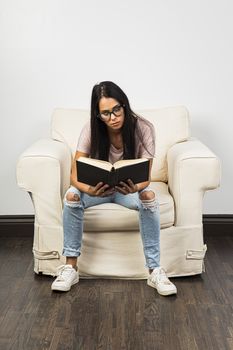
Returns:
(110, 113)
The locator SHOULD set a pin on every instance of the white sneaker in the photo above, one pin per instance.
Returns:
(158, 280)
(67, 276)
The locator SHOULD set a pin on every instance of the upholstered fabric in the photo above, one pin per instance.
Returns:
(183, 169)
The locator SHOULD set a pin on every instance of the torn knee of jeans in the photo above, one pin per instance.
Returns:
(72, 200)
(151, 204)
(147, 195)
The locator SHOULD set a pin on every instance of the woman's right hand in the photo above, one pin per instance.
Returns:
(100, 190)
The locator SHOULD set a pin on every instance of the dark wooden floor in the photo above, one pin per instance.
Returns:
(115, 314)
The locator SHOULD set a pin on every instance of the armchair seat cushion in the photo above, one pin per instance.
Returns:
(114, 217)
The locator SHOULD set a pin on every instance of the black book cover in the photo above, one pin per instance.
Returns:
(92, 175)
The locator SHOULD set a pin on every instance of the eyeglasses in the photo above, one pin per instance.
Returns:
(106, 115)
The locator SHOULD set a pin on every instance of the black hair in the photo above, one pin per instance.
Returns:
(100, 143)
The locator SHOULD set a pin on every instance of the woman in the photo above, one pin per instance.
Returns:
(114, 132)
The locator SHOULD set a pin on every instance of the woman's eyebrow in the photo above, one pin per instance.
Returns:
(106, 110)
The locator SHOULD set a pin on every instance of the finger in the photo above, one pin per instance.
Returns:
(100, 193)
(125, 186)
(110, 190)
(122, 190)
(107, 193)
(133, 185)
(103, 189)
(130, 182)
(97, 187)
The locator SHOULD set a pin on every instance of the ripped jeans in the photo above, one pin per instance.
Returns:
(149, 221)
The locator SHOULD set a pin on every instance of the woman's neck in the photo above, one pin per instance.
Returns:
(116, 139)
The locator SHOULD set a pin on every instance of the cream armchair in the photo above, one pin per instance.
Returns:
(183, 170)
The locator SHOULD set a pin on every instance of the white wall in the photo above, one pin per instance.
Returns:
(162, 53)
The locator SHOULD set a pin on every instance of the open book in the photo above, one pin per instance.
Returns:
(91, 171)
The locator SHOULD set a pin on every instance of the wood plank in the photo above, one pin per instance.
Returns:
(115, 314)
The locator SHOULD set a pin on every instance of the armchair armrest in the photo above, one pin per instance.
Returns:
(192, 169)
(43, 170)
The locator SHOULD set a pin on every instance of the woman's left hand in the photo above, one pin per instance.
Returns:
(126, 188)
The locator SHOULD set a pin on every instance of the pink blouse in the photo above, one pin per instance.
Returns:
(146, 150)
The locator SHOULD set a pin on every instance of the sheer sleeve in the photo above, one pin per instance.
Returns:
(146, 134)
(84, 141)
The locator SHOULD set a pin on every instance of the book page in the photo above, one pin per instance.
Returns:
(96, 162)
(126, 162)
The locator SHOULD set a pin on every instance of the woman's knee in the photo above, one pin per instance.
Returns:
(149, 200)
(72, 197)
(147, 195)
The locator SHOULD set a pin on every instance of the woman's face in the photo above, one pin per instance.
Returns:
(115, 121)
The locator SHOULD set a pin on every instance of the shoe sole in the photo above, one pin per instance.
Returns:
(170, 292)
(63, 289)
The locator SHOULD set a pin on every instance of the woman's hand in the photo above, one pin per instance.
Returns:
(127, 188)
(100, 190)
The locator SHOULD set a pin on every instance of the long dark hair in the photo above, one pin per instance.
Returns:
(100, 143)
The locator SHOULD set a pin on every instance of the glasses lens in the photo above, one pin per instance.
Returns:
(104, 116)
(116, 111)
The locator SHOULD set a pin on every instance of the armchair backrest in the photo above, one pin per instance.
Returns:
(172, 125)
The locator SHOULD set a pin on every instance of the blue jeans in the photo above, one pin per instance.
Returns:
(149, 221)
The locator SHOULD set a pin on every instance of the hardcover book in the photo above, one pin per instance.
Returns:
(92, 171)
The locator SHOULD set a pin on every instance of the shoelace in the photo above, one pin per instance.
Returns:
(160, 276)
(63, 272)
